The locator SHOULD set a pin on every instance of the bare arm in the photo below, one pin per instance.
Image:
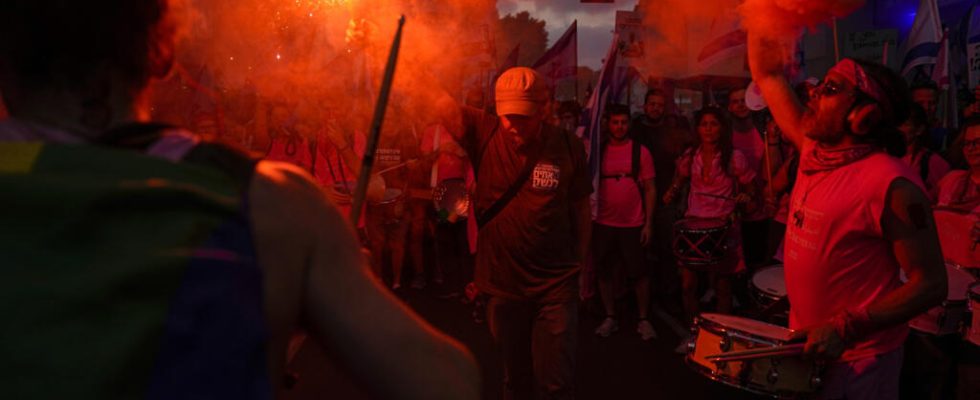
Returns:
(908, 225)
(766, 60)
(316, 273)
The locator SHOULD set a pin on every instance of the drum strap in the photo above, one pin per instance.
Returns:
(924, 165)
(498, 205)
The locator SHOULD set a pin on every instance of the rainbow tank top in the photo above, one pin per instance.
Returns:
(129, 274)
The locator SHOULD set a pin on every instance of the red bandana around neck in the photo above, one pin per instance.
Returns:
(825, 160)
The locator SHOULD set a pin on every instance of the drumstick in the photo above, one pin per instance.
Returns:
(717, 196)
(752, 354)
(393, 167)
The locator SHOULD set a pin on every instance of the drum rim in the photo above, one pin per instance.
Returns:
(722, 330)
(393, 200)
(725, 224)
(735, 383)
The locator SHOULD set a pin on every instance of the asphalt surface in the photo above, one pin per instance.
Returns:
(621, 366)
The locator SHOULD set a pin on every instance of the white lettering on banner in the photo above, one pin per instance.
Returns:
(546, 176)
(973, 63)
(393, 156)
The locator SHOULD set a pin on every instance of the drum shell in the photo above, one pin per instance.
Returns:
(972, 333)
(778, 376)
(708, 245)
(768, 287)
(391, 210)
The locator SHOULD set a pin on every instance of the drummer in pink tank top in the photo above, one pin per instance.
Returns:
(719, 179)
(857, 216)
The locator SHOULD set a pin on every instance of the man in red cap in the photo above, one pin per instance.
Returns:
(857, 216)
(532, 206)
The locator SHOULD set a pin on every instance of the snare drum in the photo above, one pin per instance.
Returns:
(451, 200)
(391, 208)
(947, 318)
(702, 243)
(768, 287)
(781, 376)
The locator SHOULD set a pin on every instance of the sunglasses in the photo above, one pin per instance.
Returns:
(826, 88)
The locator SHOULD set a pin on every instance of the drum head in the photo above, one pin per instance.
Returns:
(701, 224)
(755, 328)
(770, 280)
(959, 282)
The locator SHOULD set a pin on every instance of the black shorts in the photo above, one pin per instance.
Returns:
(614, 247)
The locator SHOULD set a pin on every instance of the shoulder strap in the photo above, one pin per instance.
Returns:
(924, 165)
(501, 202)
(483, 147)
(635, 161)
(231, 161)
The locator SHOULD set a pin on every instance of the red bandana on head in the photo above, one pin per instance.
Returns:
(853, 73)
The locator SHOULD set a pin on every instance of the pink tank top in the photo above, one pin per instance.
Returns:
(836, 257)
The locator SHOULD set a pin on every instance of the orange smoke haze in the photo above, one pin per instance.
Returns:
(673, 26)
(787, 18)
(319, 59)
(679, 29)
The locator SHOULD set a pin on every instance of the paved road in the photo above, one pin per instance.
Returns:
(619, 367)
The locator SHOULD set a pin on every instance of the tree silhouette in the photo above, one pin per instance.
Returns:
(524, 29)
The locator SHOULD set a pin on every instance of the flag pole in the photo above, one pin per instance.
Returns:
(836, 42)
(884, 54)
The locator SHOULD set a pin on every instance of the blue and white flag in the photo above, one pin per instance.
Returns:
(973, 48)
(594, 109)
(922, 45)
(561, 60)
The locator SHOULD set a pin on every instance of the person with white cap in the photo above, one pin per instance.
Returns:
(532, 207)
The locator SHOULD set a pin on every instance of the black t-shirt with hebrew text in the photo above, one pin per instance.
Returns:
(529, 251)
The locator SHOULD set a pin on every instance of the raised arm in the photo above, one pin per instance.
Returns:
(316, 273)
(767, 62)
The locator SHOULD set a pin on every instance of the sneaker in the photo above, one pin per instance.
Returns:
(396, 286)
(448, 295)
(708, 295)
(479, 311)
(418, 283)
(607, 327)
(645, 330)
(438, 278)
(682, 348)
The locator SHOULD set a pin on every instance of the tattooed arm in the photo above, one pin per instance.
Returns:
(908, 225)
